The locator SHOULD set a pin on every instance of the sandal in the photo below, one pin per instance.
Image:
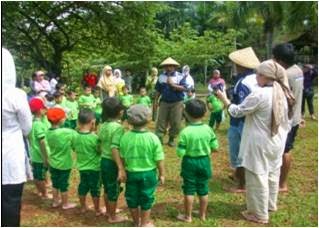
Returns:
(253, 218)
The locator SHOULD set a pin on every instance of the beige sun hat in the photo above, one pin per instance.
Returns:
(245, 57)
(169, 61)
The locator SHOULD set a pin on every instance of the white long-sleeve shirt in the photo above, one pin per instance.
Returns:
(16, 121)
(259, 152)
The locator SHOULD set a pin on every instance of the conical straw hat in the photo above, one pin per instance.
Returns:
(169, 61)
(245, 57)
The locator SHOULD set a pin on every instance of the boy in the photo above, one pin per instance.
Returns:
(216, 108)
(61, 87)
(87, 100)
(126, 100)
(98, 105)
(196, 141)
(143, 98)
(112, 170)
(190, 95)
(88, 159)
(142, 153)
(60, 159)
(39, 149)
(72, 105)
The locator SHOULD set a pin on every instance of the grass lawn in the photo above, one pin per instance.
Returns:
(297, 208)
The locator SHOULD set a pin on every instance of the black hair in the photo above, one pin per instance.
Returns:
(196, 108)
(49, 97)
(285, 53)
(34, 74)
(87, 86)
(191, 90)
(85, 116)
(59, 86)
(57, 94)
(111, 107)
(70, 92)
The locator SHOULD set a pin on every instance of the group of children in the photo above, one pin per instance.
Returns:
(111, 157)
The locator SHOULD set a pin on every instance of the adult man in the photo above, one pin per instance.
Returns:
(128, 78)
(284, 54)
(309, 73)
(245, 61)
(170, 86)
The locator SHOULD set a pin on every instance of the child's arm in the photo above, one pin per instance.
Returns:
(160, 167)
(44, 152)
(121, 171)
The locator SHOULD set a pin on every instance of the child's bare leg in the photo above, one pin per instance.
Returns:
(203, 202)
(96, 202)
(106, 203)
(56, 199)
(145, 218)
(65, 201)
(113, 218)
(217, 126)
(83, 203)
(188, 207)
(135, 213)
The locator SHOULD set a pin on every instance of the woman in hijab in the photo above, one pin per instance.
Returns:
(263, 138)
(16, 123)
(107, 83)
(119, 82)
(150, 87)
(190, 84)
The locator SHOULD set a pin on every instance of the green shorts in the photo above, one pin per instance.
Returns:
(60, 179)
(90, 181)
(39, 171)
(215, 117)
(140, 189)
(196, 171)
(109, 172)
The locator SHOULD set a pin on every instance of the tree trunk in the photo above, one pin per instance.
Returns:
(269, 40)
(205, 72)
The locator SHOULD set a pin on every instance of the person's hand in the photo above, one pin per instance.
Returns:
(162, 180)
(222, 97)
(121, 176)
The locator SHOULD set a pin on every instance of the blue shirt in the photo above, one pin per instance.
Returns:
(239, 93)
(167, 93)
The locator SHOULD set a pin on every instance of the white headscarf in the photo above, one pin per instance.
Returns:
(186, 70)
(8, 73)
(118, 76)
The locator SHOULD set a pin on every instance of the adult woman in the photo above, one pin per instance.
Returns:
(263, 138)
(41, 86)
(150, 86)
(107, 83)
(16, 123)
(190, 84)
(119, 82)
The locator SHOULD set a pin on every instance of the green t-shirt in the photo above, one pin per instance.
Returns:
(144, 100)
(46, 121)
(215, 102)
(60, 143)
(38, 132)
(187, 98)
(87, 101)
(73, 108)
(98, 105)
(197, 139)
(85, 146)
(126, 100)
(140, 150)
(110, 134)
(63, 102)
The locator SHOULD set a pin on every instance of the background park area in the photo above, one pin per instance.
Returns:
(70, 38)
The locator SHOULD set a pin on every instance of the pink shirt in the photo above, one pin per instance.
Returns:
(43, 85)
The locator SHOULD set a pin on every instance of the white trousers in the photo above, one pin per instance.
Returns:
(262, 192)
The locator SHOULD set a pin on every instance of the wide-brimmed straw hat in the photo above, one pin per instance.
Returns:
(169, 61)
(245, 57)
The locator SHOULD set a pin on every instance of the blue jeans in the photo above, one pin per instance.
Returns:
(234, 137)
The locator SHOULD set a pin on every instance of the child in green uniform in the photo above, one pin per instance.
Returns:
(196, 142)
(143, 98)
(216, 108)
(190, 95)
(39, 149)
(73, 107)
(126, 100)
(98, 105)
(88, 160)
(61, 87)
(87, 100)
(60, 159)
(112, 170)
(142, 153)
